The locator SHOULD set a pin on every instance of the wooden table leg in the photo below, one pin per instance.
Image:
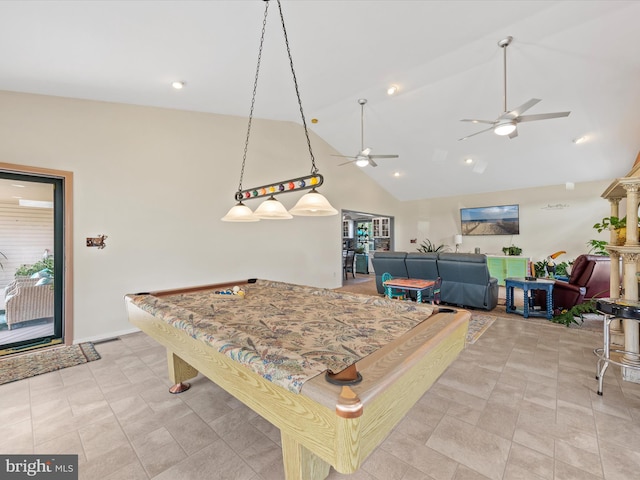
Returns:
(179, 371)
(299, 462)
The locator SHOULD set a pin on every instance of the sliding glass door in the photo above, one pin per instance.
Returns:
(32, 261)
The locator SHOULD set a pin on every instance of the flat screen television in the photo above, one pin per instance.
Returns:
(496, 220)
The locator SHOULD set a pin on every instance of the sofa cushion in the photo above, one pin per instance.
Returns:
(388, 262)
(422, 265)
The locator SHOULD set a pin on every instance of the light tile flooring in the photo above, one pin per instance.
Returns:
(518, 404)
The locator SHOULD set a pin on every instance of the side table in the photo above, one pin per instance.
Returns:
(527, 286)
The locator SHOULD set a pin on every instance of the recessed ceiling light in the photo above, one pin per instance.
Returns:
(393, 89)
(178, 85)
(396, 174)
(580, 139)
(468, 161)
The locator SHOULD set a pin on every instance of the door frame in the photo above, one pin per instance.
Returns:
(67, 291)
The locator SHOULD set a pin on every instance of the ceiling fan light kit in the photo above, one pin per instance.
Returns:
(505, 128)
(364, 157)
(312, 203)
(362, 161)
(507, 123)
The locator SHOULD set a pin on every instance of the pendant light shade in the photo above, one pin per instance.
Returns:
(272, 209)
(313, 204)
(240, 213)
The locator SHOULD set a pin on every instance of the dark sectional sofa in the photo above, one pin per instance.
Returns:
(465, 276)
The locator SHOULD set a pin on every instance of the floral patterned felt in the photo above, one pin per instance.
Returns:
(288, 333)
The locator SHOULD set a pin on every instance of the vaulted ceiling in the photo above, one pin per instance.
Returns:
(580, 56)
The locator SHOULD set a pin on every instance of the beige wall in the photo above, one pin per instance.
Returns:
(551, 219)
(157, 182)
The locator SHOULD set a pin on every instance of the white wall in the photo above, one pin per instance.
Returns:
(157, 182)
(551, 219)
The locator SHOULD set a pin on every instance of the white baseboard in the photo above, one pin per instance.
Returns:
(106, 336)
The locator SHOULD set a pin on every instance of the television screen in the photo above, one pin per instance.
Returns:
(497, 220)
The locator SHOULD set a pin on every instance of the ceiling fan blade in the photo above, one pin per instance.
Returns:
(346, 163)
(477, 121)
(343, 156)
(372, 163)
(524, 107)
(542, 116)
(383, 156)
(477, 133)
(514, 134)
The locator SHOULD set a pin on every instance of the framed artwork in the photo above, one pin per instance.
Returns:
(494, 220)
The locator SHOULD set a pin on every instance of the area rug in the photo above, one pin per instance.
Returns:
(478, 324)
(18, 367)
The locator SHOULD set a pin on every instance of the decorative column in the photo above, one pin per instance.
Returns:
(632, 188)
(631, 327)
(614, 285)
(614, 203)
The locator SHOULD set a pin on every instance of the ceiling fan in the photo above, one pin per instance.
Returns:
(364, 157)
(507, 122)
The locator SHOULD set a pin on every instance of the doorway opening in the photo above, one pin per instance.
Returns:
(364, 233)
(35, 246)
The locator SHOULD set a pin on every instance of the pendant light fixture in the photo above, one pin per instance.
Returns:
(312, 203)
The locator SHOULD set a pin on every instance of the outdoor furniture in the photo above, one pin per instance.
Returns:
(26, 301)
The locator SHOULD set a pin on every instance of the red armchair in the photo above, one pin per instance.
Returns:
(590, 277)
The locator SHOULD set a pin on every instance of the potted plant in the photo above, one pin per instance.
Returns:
(427, 246)
(598, 247)
(619, 225)
(512, 250)
(32, 269)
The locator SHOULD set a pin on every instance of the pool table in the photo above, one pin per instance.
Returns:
(323, 424)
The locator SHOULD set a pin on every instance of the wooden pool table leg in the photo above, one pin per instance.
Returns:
(179, 371)
(300, 463)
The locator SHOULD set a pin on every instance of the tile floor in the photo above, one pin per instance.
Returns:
(518, 404)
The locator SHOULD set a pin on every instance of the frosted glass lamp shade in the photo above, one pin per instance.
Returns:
(362, 161)
(313, 204)
(272, 209)
(240, 213)
(505, 128)
(457, 239)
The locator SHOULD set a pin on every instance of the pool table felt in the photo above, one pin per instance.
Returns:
(288, 333)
